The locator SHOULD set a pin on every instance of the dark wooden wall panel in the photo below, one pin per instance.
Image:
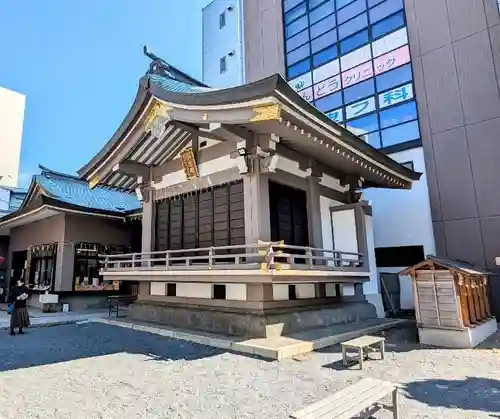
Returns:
(210, 218)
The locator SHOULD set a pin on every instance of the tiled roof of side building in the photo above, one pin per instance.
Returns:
(176, 86)
(75, 191)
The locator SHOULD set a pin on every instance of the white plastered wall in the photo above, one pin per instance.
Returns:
(403, 218)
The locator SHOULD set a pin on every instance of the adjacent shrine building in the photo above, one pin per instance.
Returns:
(252, 223)
(57, 235)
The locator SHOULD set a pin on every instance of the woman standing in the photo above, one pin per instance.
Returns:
(19, 316)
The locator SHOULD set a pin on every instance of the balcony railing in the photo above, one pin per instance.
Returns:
(263, 256)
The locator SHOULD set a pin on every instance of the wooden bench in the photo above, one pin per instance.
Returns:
(363, 345)
(360, 401)
(115, 301)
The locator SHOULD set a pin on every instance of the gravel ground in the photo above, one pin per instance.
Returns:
(99, 371)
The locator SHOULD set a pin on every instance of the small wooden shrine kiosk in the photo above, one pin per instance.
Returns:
(452, 303)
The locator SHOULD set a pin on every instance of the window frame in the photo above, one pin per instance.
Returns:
(223, 65)
(312, 64)
(222, 20)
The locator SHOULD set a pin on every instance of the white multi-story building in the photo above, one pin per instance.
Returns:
(223, 51)
(12, 105)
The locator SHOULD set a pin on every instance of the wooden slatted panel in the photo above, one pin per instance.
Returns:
(190, 224)
(288, 210)
(176, 224)
(349, 402)
(427, 307)
(211, 218)
(206, 220)
(438, 304)
(162, 226)
(470, 299)
(486, 294)
(237, 215)
(221, 216)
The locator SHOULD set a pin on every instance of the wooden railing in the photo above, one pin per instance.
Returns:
(267, 256)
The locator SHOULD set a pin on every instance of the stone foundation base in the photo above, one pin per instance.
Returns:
(251, 324)
(467, 338)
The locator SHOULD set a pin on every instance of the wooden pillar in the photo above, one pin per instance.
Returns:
(314, 211)
(480, 295)
(475, 296)
(148, 222)
(464, 305)
(486, 293)
(256, 201)
(470, 299)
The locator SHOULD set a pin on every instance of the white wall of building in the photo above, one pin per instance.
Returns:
(403, 218)
(12, 105)
(223, 42)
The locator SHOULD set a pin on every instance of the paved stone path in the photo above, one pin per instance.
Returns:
(100, 371)
(37, 318)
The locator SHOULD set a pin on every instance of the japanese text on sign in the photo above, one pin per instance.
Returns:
(307, 94)
(360, 108)
(337, 115)
(189, 164)
(357, 74)
(326, 87)
(395, 96)
(391, 60)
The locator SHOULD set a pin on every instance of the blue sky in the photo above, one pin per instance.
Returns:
(78, 63)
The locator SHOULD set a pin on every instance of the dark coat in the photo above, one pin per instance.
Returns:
(16, 292)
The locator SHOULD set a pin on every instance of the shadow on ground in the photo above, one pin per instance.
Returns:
(43, 346)
(471, 393)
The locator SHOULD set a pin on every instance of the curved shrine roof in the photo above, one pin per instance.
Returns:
(266, 106)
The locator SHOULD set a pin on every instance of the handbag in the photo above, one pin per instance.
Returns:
(10, 308)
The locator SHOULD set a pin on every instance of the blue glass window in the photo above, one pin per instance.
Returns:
(393, 78)
(322, 11)
(353, 26)
(350, 11)
(329, 102)
(355, 41)
(388, 25)
(314, 3)
(372, 3)
(373, 138)
(296, 27)
(359, 91)
(297, 40)
(398, 115)
(298, 54)
(400, 134)
(342, 3)
(324, 41)
(326, 55)
(385, 9)
(300, 68)
(295, 13)
(364, 125)
(322, 26)
(290, 4)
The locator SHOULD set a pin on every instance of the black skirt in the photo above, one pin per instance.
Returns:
(19, 317)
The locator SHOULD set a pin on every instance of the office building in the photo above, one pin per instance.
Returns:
(223, 52)
(419, 81)
(12, 106)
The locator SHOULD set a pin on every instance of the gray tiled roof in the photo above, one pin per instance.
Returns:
(177, 86)
(75, 191)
